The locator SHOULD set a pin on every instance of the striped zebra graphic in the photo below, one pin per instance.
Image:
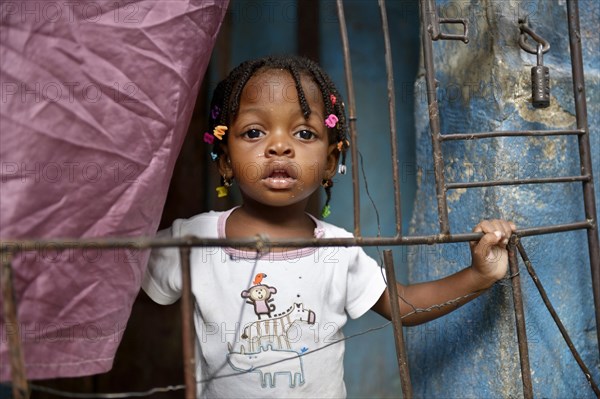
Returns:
(274, 331)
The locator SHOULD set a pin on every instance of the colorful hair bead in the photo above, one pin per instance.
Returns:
(331, 121)
(319, 232)
(333, 99)
(209, 138)
(214, 156)
(220, 131)
(214, 113)
(326, 211)
(222, 191)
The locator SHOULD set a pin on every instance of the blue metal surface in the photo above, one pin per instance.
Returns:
(485, 85)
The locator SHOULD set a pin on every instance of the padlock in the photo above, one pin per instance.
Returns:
(540, 82)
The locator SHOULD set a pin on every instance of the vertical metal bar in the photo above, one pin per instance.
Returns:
(20, 388)
(388, 260)
(557, 321)
(351, 117)
(434, 118)
(389, 69)
(187, 319)
(433, 22)
(585, 158)
(309, 45)
(520, 319)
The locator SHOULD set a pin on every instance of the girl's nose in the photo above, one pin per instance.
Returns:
(279, 146)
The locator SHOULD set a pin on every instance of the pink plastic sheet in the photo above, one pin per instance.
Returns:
(96, 97)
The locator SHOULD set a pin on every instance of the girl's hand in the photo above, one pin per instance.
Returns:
(489, 255)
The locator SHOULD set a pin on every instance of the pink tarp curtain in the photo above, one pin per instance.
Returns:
(96, 99)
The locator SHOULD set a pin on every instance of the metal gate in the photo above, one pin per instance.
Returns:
(431, 31)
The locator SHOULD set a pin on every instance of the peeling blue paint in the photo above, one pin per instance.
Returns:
(473, 352)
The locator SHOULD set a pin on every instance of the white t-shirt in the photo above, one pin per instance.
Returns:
(267, 327)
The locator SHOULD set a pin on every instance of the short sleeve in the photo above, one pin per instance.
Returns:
(365, 283)
(162, 281)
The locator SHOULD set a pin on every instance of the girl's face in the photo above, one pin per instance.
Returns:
(276, 156)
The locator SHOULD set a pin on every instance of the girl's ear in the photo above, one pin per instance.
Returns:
(333, 158)
(224, 163)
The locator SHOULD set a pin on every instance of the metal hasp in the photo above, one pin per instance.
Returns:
(540, 74)
(433, 27)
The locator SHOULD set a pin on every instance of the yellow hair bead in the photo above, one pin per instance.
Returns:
(222, 191)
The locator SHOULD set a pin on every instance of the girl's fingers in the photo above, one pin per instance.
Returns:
(503, 228)
(484, 247)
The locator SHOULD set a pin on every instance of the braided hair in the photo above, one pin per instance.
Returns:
(225, 102)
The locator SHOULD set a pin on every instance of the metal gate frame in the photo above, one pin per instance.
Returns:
(430, 31)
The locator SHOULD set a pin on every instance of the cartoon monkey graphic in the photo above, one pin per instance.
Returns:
(260, 295)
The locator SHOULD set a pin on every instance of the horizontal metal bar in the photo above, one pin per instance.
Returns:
(510, 133)
(262, 243)
(516, 182)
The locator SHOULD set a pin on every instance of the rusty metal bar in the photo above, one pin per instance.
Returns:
(515, 182)
(390, 274)
(20, 388)
(510, 133)
(559, 324)
(434, 114)
(263, 243)
(389, 69)
(585, 158)
(520, 319)
(187, 320)
(351, 116)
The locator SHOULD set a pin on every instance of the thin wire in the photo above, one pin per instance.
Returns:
(66, 394)
(438, 306)
(367, 331)
(364, 176)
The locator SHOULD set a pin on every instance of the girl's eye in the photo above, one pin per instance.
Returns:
(306, 135)
(253, 134)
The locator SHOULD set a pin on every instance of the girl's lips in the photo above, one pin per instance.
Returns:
(280, 176)
(280, 169)
(278, 181)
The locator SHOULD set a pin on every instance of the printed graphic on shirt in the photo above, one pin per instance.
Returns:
(270, 363)
(275, 331)
(260, 295)
(269, 349)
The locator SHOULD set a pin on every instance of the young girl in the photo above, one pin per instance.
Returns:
(268, 324)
